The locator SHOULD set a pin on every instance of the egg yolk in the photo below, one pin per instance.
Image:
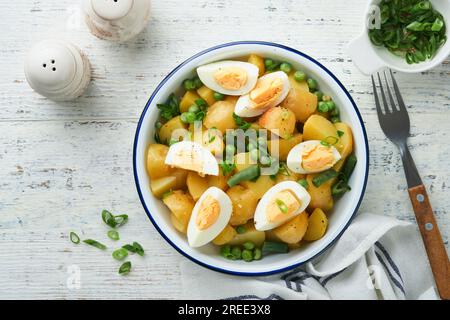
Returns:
(317, 158)
(231, 78)
(282, 206)
(189, 160)
(266, 91)
(208, 213)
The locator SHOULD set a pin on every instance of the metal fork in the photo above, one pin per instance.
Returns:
(394, 122)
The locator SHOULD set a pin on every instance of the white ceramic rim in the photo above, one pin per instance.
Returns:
(208, 256)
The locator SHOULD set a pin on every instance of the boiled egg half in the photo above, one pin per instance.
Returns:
(270, 90)
(233, 78)
(210, 216)
(312, 157)
(280, 204)
(192, 156)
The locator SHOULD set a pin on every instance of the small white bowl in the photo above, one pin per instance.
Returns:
(208, 256)
(369, 58)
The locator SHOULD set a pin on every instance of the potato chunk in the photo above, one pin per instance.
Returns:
(294, 230)
(302, 103)
(318, 128)
(244, 205)
(345, 144)
(320, 196)
(207, 94)
(317, 225)
(284, 145)
(156, 157)
(181, 205)
(196, 185)
(220, 116)
(162, 185)
(225, 236)
(278, 120)
(258, 61)
(250, 235)
(170, 127)
(188, 100)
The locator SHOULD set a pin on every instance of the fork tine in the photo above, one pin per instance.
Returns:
(388, 88)
(383, 96)
(401, 103)
(377, 99)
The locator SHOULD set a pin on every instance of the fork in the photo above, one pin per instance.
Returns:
(394, 122)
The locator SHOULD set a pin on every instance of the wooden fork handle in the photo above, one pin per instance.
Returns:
(437, 255)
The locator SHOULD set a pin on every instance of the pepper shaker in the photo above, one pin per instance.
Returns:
(116, 20)
(57, 70)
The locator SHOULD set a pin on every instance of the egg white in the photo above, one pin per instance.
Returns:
(243, 104)
(261, 221)
(210, 164)
(197, 237)
(206, 75)
(294, 159)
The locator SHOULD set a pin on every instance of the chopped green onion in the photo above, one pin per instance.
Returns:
(74, 238)
(138, 249)
(324, 177)
(194, 108)
(241, 229)
(95, 243)
(114, 221)
(340, 133)
(227, 168)
(281, 205)
(120, 254)
(130, 248)
(274, 247)
(335, 119)
(241, 123)
(339, 188)
(249, 173)
(303, 183)
(329, 141)
(113, 235)
(125, 268)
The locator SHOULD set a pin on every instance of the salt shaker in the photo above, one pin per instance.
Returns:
(116, 20)
(57, 70)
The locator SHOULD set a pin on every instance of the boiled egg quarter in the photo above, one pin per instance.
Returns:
(210, 216)
(280, 204)
(192, 156)
(270, 91)
(233, 78)
(312, 157)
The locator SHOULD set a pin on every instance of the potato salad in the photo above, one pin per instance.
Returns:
(250, 157)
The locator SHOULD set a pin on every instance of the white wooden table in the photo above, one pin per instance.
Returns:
(62, 163)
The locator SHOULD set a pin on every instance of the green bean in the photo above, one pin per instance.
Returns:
(274, 247)
(249, 173)
(303, 183)
(324, 177)
(349, 166)
(339, 188)
(218, 96)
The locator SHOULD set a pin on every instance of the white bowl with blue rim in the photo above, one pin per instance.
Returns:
(341, 215)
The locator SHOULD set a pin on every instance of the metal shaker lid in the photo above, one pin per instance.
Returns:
(112, 9)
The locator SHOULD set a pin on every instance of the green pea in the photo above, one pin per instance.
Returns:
(188, 85)
(257, 254)
(230, 149)
(236, 252)
(262, 141)
(158, 125)
(218, 96)
(247, 255)
(286, 67)
(254, 154)
(225, 251)
(241, 229)
(312, 84)
(252, 145)
(249, 245)
(323, 106)
(194, 108)
(183, 117)
(265, 160)
(190, 117)
(331, 105)
(335, 112)
(299, 76)
(197, 83)
(319, 95)
(268, 63)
